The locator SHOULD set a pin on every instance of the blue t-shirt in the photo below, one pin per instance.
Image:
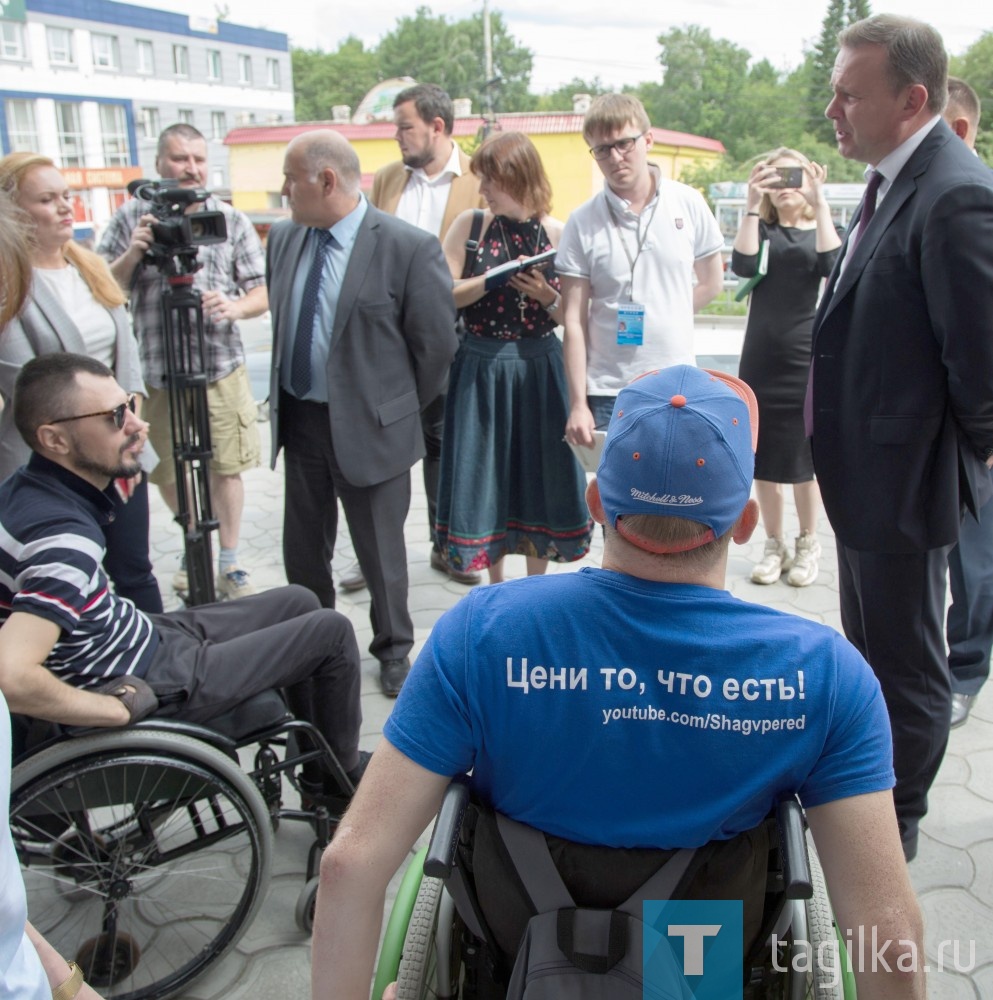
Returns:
(611, 710)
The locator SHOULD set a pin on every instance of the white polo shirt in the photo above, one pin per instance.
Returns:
(681, 229)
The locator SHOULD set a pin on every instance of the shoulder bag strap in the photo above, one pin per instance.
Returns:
(472, 244)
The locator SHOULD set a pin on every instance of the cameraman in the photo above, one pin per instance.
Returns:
(232, 284)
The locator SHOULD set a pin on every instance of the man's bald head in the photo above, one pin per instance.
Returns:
(321, 178)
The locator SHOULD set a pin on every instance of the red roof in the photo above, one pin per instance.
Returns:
(533, 123)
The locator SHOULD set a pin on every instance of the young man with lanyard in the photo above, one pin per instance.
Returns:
(636, 261)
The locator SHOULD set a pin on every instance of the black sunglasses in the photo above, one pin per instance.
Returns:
(118, 413)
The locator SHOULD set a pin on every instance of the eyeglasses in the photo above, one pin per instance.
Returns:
(118, 413)
(623, 146)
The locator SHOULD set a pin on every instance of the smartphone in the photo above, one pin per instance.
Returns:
(789, 177)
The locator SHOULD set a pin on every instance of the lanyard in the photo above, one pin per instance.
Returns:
(640, 237)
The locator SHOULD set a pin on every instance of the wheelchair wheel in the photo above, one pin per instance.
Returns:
(431, 961)
(145, 856)
(818, 960)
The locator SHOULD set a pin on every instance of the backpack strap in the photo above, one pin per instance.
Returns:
(529, 853)
(663, 884)
(472, 244)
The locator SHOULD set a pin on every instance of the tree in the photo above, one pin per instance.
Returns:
(323, 79)
(975, 66)
(702, 87)
(840, 14)
(561, 99)
(450, 53)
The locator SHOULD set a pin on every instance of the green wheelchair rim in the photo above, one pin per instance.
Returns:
(396, 927)
(847, 973)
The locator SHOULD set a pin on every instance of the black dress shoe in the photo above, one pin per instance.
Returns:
(961, 705)
(328, 792)
(392, 674)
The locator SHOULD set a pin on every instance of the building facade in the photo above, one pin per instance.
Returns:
(257, 155)
(92, 84)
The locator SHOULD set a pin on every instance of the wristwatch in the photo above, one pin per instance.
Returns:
(553, 306)
(68, 989)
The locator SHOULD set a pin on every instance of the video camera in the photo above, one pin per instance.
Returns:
(175, 232)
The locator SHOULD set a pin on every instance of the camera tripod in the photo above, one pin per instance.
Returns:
(186, 378)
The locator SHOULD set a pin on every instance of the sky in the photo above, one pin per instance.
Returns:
(583, 38)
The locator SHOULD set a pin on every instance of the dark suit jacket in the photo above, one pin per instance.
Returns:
(391, 347)
(903, 358)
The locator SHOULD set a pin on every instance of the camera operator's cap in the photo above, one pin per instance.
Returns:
(681, 443)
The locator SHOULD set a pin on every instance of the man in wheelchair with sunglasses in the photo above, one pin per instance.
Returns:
(72, 652)
(639, 705)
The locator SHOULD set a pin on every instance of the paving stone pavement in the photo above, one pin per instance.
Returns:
(953, 873)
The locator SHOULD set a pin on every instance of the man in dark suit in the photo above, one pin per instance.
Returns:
(969, 626)
(900, 404)
(363, 335)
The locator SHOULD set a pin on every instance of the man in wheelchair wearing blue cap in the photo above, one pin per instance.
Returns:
(639, 705)
(72, 652)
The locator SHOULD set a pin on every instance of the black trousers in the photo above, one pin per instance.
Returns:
(221, 655)
(375, 516)
(892, 609)
(432, 426)
(970, 617)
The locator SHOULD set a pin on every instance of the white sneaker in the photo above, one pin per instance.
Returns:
(774, 562)
(233, 584)
(805, 569)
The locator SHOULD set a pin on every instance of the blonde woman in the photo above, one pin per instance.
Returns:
(74, 304)
(775, 358)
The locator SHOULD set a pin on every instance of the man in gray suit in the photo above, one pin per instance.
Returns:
(363, 335)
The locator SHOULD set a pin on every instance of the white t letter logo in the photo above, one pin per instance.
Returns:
(693, 935)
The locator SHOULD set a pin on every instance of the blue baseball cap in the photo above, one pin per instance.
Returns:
(681, 443)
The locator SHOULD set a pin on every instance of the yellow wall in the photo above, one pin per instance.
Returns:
(257, 169)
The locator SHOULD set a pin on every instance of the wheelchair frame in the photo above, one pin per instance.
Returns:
(435, 893)
(146, 851)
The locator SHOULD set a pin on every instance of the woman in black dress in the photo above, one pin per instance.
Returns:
(775, 358)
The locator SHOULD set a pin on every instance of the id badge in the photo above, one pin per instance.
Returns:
(631, 324)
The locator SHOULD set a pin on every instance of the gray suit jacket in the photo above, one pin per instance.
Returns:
(44, 327)
(391, 347)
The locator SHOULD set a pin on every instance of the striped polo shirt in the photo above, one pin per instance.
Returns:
(51, 565)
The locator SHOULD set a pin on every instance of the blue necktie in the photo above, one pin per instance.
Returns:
(300, 364)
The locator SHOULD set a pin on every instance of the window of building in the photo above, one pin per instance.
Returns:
(218, 124)
(181, 60)
(12, 40)
(245, 70)
(185, 116)
(213, 64)
(144, 56)
(272, 72)
(60, 48)
(114, 135)
(22, 130)
(70, 132)
(148, 123)
(106, 54)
